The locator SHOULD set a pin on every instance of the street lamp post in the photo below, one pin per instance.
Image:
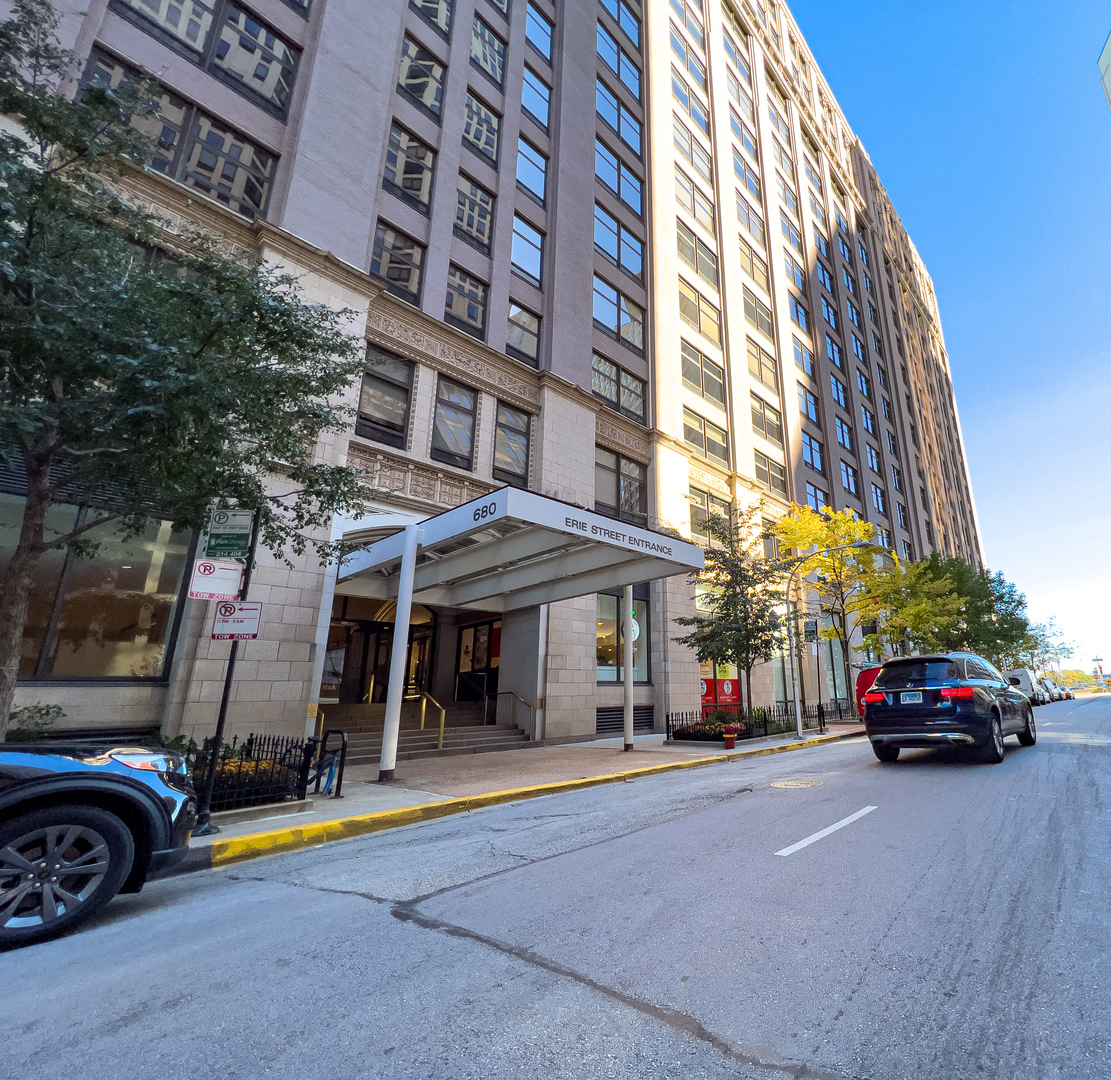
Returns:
(790, 627)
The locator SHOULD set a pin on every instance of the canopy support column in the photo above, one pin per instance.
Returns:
(627, 621)
(399, 653)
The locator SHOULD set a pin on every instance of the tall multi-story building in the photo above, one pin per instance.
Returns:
(625, 254)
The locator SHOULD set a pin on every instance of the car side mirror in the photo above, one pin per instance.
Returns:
(1015, 681)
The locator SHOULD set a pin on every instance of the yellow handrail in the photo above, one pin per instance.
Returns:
(425, 698)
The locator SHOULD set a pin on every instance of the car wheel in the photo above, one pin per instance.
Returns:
(1029, 734)
(885, 753)
(58, 867)
(991, 753)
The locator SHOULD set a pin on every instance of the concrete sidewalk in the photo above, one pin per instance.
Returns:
(476, 779)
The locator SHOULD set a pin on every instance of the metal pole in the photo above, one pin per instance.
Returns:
(794, 666)
(204, 809)
(396, 689)
(627, 619)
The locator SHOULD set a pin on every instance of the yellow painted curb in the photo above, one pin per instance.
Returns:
(276, 841)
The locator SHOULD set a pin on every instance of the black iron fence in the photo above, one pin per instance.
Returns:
(709, 724)
(257, 770)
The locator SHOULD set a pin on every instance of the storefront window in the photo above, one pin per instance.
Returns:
(610, 642)
(111, 615)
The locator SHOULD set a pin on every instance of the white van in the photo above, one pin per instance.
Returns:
(1029, 685)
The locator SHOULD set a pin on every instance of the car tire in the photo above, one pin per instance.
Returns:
(991, 753)
(886, 754)
(37, 904)
(1029, 734)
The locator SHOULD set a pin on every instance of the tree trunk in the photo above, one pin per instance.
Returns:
(748, 689)
(843, 641)
(16, 581)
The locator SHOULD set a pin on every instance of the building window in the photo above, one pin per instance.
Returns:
(896, 478)
(854, 315)
(812, 452)
(818, 210)
(436, 12)
(626, 18)
(751, 221)
(617, 315)
(816, 498)
(511, 446)
(799, 315)
(536, 98)
(528, 250)
(833, 351)
(868, 420)
(523, 335)
(692, 106)
(246, 53)
(740, 95)
(758, 313)
(453, 424)
(465, 306)
(747, 175)
(846, 254)
(619, 62)
(693, 151)
(692, 199)
(619, 245)
(480, 130)
(829, 313)
(824, 276)
(474, 214)
(421, 78)
(619, 389)
(795, 273)
(838, 389)
(409, 168)
(623, 123)
(686, 12)
(538, 32)
(399, 259)
(532, 170)
(786, 192)
(753, 265)
(617, 177)
(858, 349)
(194, 149)
(611, 638)
(695, 310)
(700, 257)
(808, 405)
(487, 51)
(703, 505)
(109, 615)
(770, 474)
(706, 439)
(744, 135)
(879, 498)
(844, 433)
(883, 536)
(908, 551)
(876, 343)
(873, 456)
(766, 421)
(822, 245)
(385, 398)
(901, 511)
(791, 231)
(804, 358)
(863, 382)
(849, 478)
(850, 281)
(688, 58)
(892, 445)
(620, 487)
(702, 375)
(762, 366)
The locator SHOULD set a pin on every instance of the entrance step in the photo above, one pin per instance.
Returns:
(360, 719)
(365, 748)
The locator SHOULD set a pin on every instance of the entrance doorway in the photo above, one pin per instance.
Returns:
(360, 644)
(478, 661)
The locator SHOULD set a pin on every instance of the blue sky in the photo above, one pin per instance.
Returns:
(988, 126)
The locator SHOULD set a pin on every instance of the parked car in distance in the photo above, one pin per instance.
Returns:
(863, 684)
(1029, 685)
(952, 699)
(80, 823)
(1051, 690)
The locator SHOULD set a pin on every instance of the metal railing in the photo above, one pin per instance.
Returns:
(425, 698)
(707, 724)
(330, 764)
(259, 770)
(531, 712)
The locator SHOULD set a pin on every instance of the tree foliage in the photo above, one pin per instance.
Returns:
(150, 383)
(742, 591)
(908, 609)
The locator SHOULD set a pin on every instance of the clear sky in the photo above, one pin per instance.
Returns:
(987, 123)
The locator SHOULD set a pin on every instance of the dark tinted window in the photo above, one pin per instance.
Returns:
(916, 673)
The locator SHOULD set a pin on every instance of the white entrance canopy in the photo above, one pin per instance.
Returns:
(515, 549)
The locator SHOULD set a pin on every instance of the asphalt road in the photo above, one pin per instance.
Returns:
(960, 929)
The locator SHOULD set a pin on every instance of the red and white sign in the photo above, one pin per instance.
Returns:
(236, 622)
(216, 579)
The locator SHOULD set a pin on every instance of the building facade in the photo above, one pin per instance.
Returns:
(628, 255)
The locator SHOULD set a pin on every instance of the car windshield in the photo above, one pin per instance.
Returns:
(916, 673)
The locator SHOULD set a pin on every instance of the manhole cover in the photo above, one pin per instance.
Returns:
(796, 783)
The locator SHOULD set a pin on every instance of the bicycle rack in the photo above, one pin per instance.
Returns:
(342, 749)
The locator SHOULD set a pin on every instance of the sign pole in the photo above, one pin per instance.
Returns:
(204, 808)
(627, 662)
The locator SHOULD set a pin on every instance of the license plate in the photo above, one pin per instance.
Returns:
(912, 698)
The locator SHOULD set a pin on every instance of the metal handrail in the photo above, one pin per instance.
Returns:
(531, 714)
(425, 698)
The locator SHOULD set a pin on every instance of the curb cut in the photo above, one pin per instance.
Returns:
(238, 849)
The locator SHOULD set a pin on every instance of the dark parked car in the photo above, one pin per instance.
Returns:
(952, 700)
(79, 824)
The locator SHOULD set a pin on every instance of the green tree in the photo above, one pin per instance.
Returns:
(911, 610)
(839, 577)
(143, 382)
(742, 592)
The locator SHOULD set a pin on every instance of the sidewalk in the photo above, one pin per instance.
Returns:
(436, 787)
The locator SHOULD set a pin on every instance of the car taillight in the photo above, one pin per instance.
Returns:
(961, 693)
(875, 699)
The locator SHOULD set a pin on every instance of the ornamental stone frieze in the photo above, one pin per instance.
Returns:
(623, 441)
(408, 481)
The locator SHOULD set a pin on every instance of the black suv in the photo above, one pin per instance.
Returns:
(80, 823)
(952, 700)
